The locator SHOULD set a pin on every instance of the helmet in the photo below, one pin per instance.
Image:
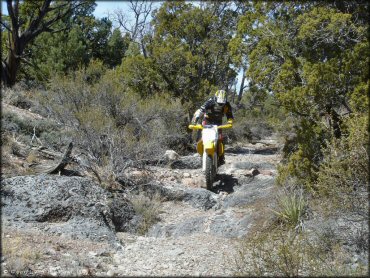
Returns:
(221, 96)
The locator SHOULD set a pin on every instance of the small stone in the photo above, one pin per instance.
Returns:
(111, 272)
(171, 155)
(54, 271)
(51, 251)
(186, 175)
(104, 254)
(176, 252)
(92, 253)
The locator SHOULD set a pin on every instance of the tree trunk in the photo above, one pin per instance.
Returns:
(334, 121)
(10, 69)
(20, 34)
(241, 88)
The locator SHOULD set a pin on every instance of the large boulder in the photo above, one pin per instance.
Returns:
(72, 206)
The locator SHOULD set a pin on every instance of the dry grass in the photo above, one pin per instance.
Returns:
(32, 157)
(291, 254)
(19, 255)
(33, 253)
(148, 208)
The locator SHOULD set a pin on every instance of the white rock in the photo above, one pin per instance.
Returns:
(111, 272)
(85, 272)
(171, 155)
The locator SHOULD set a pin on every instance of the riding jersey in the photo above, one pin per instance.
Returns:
(215, 111)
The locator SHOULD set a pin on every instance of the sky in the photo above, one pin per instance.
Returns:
(102, 7)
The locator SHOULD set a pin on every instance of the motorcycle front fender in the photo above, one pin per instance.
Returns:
(209, 148)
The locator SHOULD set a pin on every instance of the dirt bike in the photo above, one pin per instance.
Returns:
(210, 148)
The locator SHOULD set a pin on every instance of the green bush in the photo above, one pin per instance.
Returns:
(344, 174)
(291, 206)
(302, 153)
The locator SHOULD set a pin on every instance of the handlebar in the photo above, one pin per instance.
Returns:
(196, 127)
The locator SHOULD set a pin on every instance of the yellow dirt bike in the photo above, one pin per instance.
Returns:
(210, 149)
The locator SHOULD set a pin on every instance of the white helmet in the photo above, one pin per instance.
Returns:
(221, 96)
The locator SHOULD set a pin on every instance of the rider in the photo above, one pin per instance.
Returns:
(213, 111)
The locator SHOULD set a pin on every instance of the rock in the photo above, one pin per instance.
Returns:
(195, 182)
(122, 213)
(54, 270)
(230, 227)
(248, 193)
(196, 197)
(185, 228)
(176, 252)
(85, 272)
(187, 162)
(111, 272)
(186, 175)
(171, 155)
(200, 198)
(253, 172)
(253, 165)
(64, 200)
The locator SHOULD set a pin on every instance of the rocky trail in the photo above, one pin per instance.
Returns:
(71, 226)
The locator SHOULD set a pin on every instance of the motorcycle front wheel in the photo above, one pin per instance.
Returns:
(209, 172)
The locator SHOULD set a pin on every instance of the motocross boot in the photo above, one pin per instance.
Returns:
(221, 160)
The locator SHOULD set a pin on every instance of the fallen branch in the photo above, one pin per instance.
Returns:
(59, 166)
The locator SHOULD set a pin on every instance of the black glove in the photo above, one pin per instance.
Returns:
(194, 121)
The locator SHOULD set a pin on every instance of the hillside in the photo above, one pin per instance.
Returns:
(157, 220)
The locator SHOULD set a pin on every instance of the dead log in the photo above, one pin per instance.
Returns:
(49, 154)
(55, 167)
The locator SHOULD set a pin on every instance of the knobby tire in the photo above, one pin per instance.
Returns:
(209, 172)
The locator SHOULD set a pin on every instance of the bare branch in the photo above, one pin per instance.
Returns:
(6, 26)
(141, 11)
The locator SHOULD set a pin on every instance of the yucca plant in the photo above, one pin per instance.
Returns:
(291, 207)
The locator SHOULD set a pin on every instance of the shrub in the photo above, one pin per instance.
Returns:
(291, 207)
(46, 130)
(344, 174)
(148, 208)
(278, 252)
(113, 124)
(303, 153)
(19, 95)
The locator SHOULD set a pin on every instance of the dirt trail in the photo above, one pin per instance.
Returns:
(193, 241)
(197, 234)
